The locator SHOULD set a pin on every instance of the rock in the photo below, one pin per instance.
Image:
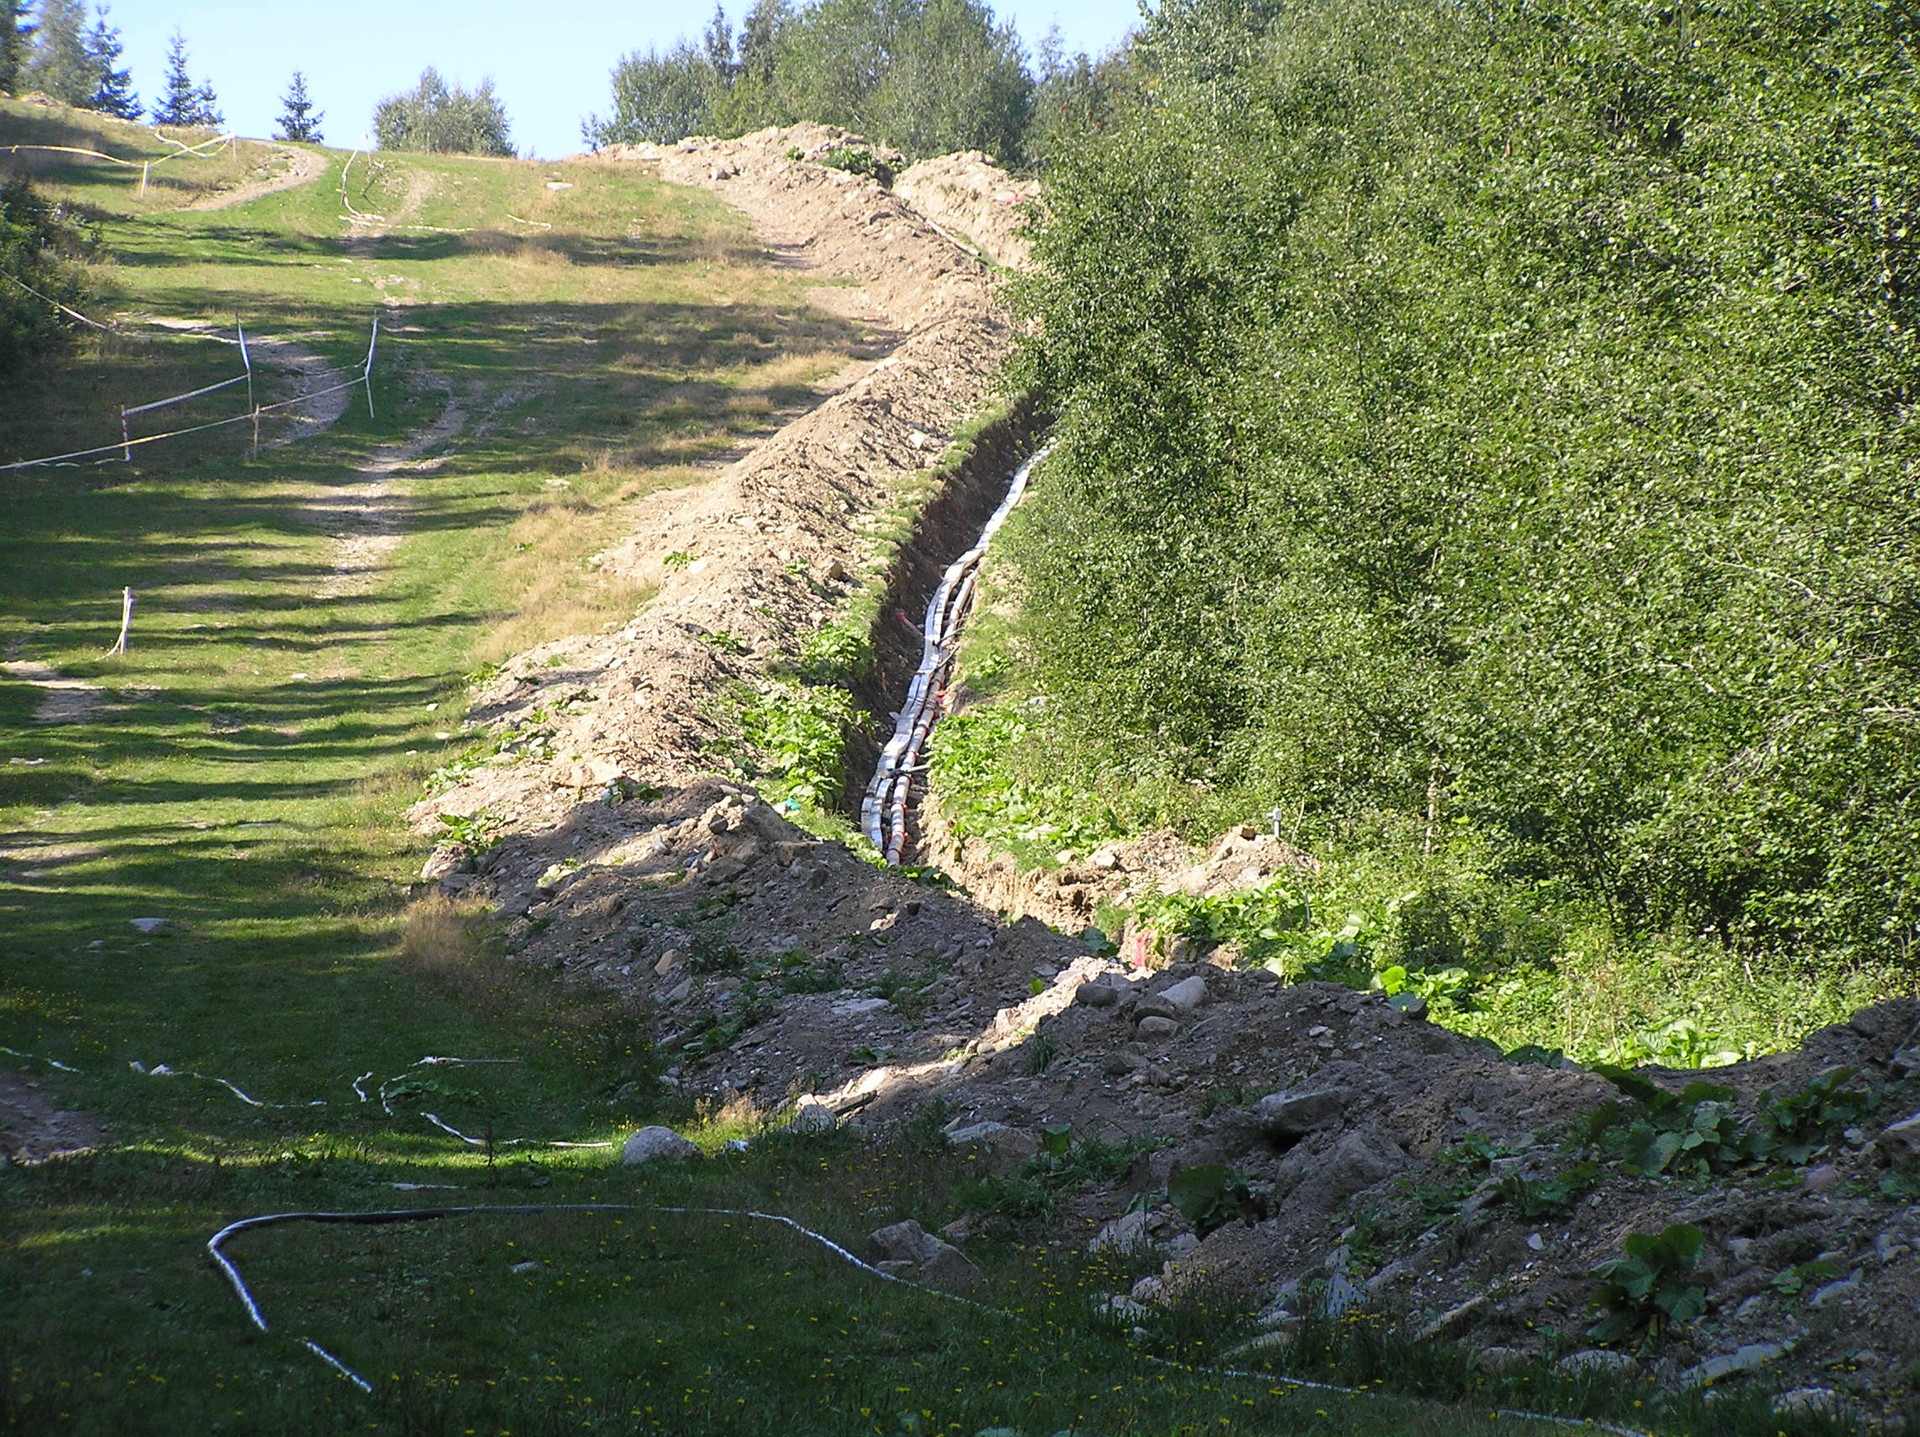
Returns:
(651, 1143)
(151, 925)
(1359, 1160)
(1129, 1230)
(1000, 1146)
(445, 861)
(1154, 1028)
(669, 960)
(1180, 1243)
(1835, 1291)
(1295, 1114)
(810, 1119)
(1497, 1360)
(526, 1267)
(679, 993)
(1818, 1180)
(1822, 1400)
(1453, 1319)
(1903, 1064)
(1900, 1143)
(1597, 1361)
(1096, 995)
(1147, 1289)
(937, 1263)
(1153, 1005)
(1341, 1296)
(1121, 1307)
(1186, 995)
(1741, 1359)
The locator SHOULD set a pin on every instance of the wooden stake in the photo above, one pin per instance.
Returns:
(119, 648)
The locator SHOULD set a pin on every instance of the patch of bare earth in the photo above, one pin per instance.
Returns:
(34, 1128)
(62, 700)
(296, 167)
(775, 964)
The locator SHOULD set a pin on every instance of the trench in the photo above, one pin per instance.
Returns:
(946, 528)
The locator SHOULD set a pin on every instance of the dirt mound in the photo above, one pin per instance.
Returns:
(969, 196)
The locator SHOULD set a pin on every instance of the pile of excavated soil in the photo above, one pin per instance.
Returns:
(1388, 1164)
(969, 196)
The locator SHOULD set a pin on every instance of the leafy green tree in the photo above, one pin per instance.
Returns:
(16, 35)
(298, 118)
(182, 102)
(658, 98)
(445, 119)
(113, 82)
(59, 65)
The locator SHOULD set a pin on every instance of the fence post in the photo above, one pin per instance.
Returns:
(119, 648)
(372, 345)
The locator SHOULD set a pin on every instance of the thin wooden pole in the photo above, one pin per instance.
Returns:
(119, 648)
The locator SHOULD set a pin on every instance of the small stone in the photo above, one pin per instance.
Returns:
(679, 993)
(1453, 1319)
(1741, 1359)
(1187, 994)
(1155, 1027)
(1181, 1242)
(1129, 1230)
(1835, 1291)
(1295, 1114)
(525, 1267)
(1901, 1142)
(1096, 995)
(1341, 1296)
(811, 1119)
(150, 925)
(1536, 1243)
(1496, 1360)
(1818, 1180)
(1822, 1400)
(1147, 1289)
(1000, 1145)
(1754, 1307)
(656, 1142)
(1597, 1360)
(1120, 1306)
(669, 960)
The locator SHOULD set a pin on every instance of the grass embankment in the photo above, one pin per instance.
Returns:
(242, 777)
(1486, 447)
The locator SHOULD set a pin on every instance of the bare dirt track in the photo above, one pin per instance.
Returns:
(1389, 1164)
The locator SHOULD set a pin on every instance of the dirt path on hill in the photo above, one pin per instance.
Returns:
(303, 167)
(62, 700)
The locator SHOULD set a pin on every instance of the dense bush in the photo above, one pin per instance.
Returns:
(1494, 422)
(443, 119)
(35, 277)
(927, 76)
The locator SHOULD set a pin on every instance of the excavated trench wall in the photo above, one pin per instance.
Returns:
(945, 528)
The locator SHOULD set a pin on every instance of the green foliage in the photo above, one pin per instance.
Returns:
(35, 241)
(857, 161)
(1648, 1288)
(926, 76)
(477, 832)
(1801, 1123)
(182, 102)
(1532, 1198)
(838, 654)
(443, 119)
(791, 740)
(299, 120)
(1696, 1132)
(1212, 1195)
(1492, 424)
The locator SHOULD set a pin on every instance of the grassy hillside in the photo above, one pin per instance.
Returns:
(1486, 444)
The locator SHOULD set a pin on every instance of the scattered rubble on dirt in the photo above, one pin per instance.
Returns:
(1360, 1158)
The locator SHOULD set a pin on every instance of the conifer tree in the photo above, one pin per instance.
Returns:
(16, 32)
(298, 119)
(113, 83)
(59, 65)
(181, 101)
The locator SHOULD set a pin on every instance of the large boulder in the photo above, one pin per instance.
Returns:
(905, 1249)
(651, 1144)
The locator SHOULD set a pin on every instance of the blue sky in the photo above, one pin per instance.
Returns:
(549, 66)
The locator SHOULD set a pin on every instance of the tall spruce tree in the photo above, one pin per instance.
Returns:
(298, 119)
(113, 83)
(181, 101)
(59, 65)
(16, 34)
